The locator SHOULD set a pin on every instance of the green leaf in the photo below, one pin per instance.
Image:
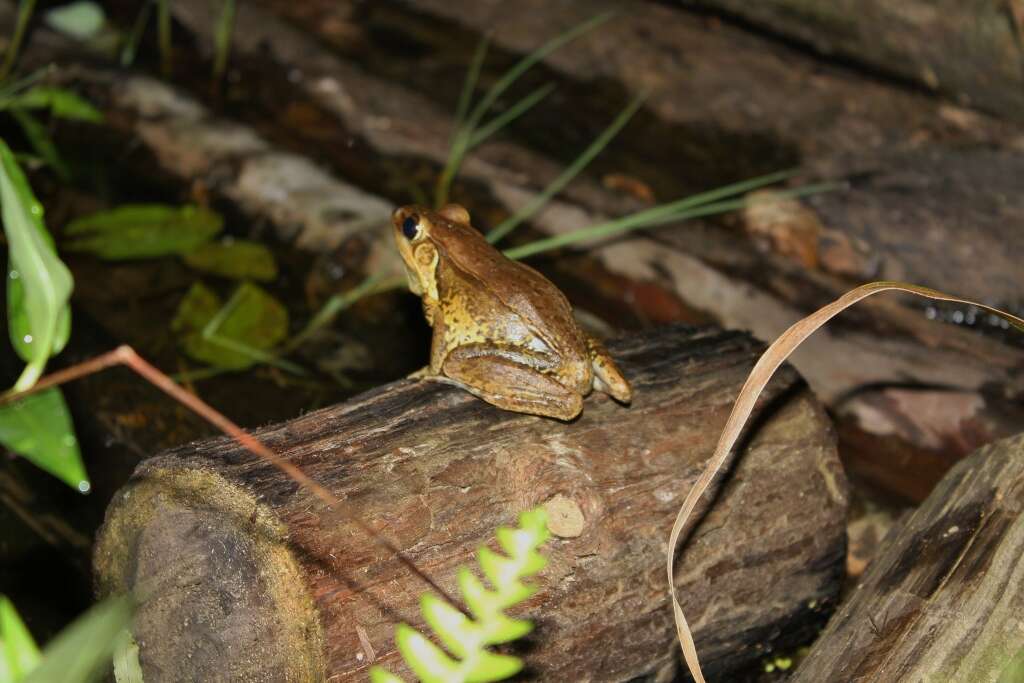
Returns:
(232, 336)
(143, 231)
(41, 142)
(378, 674)
(489, 666)
(62, 103)
(427, 660)
(39, 429)
(18, 651)
(80, 20)
(126, 659)
(235, 259)
(456, 631)
(84, 649)
(38, 308)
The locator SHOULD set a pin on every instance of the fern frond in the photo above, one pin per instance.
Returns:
(467, 638)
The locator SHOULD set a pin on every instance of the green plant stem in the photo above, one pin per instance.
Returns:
(163, 22)
(25, 9)
(646, 219)
(570, 172)
(373, 284)
(131, 43)
(222, 39)
(509, 115)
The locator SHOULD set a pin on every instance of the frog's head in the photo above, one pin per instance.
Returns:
(421, 235)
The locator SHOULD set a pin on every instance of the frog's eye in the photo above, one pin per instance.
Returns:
(411, 227)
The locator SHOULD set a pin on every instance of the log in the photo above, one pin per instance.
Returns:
(944, 599)
(244, 575)
(968, 50)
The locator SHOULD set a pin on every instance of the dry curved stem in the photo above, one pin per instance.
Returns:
(126, 355)
(773, 357)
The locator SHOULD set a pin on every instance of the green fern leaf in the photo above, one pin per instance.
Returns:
(427, 660)
(467, 638)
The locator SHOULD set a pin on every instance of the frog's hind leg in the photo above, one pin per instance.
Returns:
(503, 380)
(607, 377)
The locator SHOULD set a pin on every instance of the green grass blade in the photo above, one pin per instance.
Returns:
(163, 24)
(472, 76)
(467, 124)
(222, 39)
(570, 172)
(25, 9)
(85, 648)
(649, 218)
(509, 115)
(524, 64)
(40, 140)
(131, 43)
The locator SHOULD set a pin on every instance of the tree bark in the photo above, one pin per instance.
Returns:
(244, 575)
(944, 599)
(971, 51)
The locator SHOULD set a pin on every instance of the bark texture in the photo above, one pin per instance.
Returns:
(969, 50)
(944, 599)
(244, 575)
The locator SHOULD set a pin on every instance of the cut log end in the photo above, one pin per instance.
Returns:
(221, 596)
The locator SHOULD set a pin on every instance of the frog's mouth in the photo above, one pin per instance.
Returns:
(414, 281)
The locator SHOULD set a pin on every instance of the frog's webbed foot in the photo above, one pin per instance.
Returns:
(422, 373)
(607, 377)
(509, 384)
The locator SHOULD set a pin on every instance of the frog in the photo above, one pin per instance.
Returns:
(501, 330)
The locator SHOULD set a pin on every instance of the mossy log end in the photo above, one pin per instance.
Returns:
(944, 601)
(243, 575)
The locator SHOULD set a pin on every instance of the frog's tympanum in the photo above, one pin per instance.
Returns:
(501, 330)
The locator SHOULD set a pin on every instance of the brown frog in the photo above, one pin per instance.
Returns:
(502, 331)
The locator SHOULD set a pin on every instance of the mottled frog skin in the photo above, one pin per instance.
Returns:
(501, 330)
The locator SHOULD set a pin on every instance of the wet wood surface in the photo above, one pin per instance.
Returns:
(943, 600)
(243, 572)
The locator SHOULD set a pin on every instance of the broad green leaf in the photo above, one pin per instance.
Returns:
(61, 102)
(142, 231)
(80, 20)
(38, 308)
(39, 429)
(84, 650)
(18, 651)
(235, 259)
(234, 335)
(41, 142)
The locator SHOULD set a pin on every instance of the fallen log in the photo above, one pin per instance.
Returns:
(943, 600)
(968, 50)
(244, 575)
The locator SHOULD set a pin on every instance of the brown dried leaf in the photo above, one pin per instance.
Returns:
(774, 356)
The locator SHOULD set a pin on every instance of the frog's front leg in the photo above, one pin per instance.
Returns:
(509, 379)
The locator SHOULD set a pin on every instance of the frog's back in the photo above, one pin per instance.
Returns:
(519, 288)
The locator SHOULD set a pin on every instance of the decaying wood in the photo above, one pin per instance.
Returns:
(931, 188)
(943, 601)
(931, 194)
(970, 50)
(243, 575)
